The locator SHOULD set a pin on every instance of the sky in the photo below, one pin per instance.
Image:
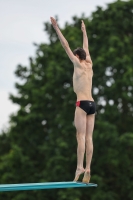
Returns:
(21, 25)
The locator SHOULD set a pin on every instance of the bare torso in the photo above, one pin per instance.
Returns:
(82, 80)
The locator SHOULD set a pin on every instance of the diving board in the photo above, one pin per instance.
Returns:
(42, 186)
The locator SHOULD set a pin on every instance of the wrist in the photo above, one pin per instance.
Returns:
(55, 27)
(84, 32)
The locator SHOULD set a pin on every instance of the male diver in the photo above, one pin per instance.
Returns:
(85, 105)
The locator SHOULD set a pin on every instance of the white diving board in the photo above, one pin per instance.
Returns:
(42, 186)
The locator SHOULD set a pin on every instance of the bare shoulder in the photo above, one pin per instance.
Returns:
(76, 62)
(88, 64)
(84, 64)
(88, 59)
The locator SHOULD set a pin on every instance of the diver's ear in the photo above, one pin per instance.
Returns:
(77, 56)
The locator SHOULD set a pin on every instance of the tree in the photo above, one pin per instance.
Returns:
(41, 143)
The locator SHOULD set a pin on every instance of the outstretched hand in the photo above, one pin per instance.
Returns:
(54, 22)
(83, 28)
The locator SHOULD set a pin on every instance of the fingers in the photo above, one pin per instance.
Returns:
(53, 20)
(82, 24)
(54, 23)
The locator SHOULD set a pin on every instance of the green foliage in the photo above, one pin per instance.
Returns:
(41, 146)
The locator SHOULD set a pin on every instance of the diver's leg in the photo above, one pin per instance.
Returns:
(89, 145)
(80, 124)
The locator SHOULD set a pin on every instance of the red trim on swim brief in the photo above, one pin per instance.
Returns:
(78, 103)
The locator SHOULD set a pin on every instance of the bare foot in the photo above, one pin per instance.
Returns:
(86, 178)
(79, 171)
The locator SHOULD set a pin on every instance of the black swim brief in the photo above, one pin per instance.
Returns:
(88, 106)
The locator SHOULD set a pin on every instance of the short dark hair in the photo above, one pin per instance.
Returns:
(80, 52)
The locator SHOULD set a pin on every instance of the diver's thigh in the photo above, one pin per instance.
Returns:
(80, 120)
(90, 124)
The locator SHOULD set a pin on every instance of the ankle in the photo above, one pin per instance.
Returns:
(87, 170)
(80, 168)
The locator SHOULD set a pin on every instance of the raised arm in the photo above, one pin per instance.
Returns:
(63, 40)
(85, 42)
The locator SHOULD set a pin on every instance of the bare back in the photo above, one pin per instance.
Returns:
(82, 80)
